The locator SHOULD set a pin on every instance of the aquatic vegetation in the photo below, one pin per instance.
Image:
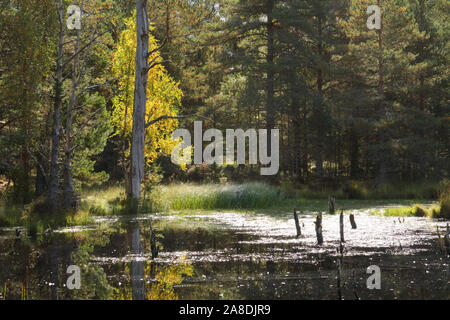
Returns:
(442, 210)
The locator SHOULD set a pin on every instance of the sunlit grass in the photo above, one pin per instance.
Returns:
(216, 196)
(444, 200)
(252, 197)
(410, 211)
(102, 201)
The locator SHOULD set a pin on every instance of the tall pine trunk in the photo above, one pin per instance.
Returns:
(381, 177)
(319, 147)
(270, 105)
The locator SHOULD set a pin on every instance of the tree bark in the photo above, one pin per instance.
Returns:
(382, 135)
(352, 221)
(297, 223)
(140, 98)
(41, 182)
(78, 70)
(341, 226)
(69, 188)
(319, 228)
(319, 147)
(270, 106)
(137, 264)
(54, 176)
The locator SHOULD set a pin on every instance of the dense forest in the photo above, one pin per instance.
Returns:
(352, 104)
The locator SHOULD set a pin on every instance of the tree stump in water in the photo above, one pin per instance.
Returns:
(297, 224)
(330, 204)
(153, 245)
(352, 221)
(447, 240)
(319, 228)
(341, 225)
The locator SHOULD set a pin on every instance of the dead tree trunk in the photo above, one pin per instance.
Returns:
(297, 224)
(137, 265)
(153, 244)
(69, 189)
(140, 99)
(447, 240)
(352, 221)
(319, 228)
(330, 204)
(54, 176)
(270, 81)
(341, 225)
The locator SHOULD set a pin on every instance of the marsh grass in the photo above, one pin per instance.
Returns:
(444, 200)
(36, 217)
(104, 201)
(411, 211)
(251, 195)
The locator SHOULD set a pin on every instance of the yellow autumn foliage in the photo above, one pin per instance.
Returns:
(163, 94)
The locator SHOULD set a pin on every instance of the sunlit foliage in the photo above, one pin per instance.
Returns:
(164, 95)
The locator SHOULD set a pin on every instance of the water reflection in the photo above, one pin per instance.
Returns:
(224, 256)
(137, 263)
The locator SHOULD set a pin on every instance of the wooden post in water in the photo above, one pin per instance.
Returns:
(341, 225)
(297, 224)
(153, 245)
(352, 221)
(447, 240)
(319, 228)
(330, 204)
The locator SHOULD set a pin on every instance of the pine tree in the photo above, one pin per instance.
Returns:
(381, 58)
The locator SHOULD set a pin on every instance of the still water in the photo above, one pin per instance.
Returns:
(226, 256)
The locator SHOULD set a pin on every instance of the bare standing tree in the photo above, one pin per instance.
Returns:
(54, 176)
(143, 65)
(140, 99)
(69, 136)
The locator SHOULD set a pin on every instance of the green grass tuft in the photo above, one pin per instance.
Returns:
(215, 196)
